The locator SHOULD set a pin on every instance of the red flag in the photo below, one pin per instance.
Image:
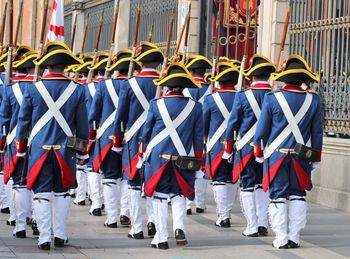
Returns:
(56, 28)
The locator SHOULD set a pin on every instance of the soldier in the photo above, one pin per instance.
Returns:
(120, 67)
(4, 201)
(93, 176)
(103, 111)
(289, 137)
(242, 122)
(216, 110)
(84, 166)
(15, 168)
(197, 66)
(55, 111)
(134, 99)
(173, 130)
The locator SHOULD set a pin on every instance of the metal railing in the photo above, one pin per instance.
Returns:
(320, 32)
(154, 13)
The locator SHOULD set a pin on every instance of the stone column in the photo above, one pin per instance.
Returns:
(272, 14)
(78, 7)
(193, 39)
(122, 33)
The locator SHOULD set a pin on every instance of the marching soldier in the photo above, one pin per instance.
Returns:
(15, 167)
(289, 137)
(131, 115)
(120, 66)
(85, 173)
(173, 131)
(53, 114)
(197, 66)
(242, 122)
(103, 111)
(216, 110)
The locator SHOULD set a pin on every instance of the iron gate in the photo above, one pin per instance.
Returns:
(154, 13)
(320, 32)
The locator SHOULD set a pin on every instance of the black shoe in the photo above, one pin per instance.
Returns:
(29, 221)
(45, 246)
(73, 196)
(5, 210)
(113, 225)
(282, 247)
(136, 236)
(189, 212)
(226, 223)
(262, 231)
(96, 212)
(180, 237)
(60, 242)
(151, 229)
(292, 244)
(35, 229)
(251, 235)
(102, 207)
(163, 246)
(80, 203)
(124, 220)
(11, 223)
(20, 234)
(199, 210)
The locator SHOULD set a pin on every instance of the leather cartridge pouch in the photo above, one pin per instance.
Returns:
(188, 163)
(306, 153)
(77, 143)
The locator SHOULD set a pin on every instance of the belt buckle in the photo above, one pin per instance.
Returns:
(49, 147)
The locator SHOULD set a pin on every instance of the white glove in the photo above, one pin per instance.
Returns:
(139, 162)
(315, 165)
(82, 157)
(259, 160)
(226, 155)
(21, 154)
(119, 150)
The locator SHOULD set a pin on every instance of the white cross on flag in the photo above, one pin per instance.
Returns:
(56, 28)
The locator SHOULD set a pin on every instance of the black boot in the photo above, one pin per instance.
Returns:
(226, 223)
(292, 244)
(96, 212)
(262, 231)
(5, 210)
(60, 242)
(113, 225)
(45, 246)
(20, 234)
(151, 228)
(11, 223)
(136, 236)
(163, 246)
(189, 211)
(180, 237)
(199, 210)
(35, 228)
(124, 220)
(80, 203)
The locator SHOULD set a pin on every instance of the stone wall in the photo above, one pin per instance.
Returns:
(332, 180)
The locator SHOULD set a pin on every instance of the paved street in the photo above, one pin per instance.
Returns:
(327, 236)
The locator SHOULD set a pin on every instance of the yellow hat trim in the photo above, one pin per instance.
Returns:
(80, 67)
(157, 50)
(226, 71)
(71, 68)
(252, 69)
(198, 58)
(18, 63)
(163, 81)
(295, 56)
(105, 60)
(276, 76)
(55, 52)
(110, 68)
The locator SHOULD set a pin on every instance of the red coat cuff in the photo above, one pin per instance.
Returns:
(229, 146)
(2, 143)
(258, 151)
(319, 155)
(92, 134)
(118, 141)
(21, 146)
(198, 154)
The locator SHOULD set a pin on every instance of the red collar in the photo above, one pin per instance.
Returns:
(173, 94)
(83, 81)
(148, 74)
(18, 78)
(29, 78)
(260, 86)
(56, 76)
(293, 88)
(199, 80)
(121, 77)
(98, 79)
(227, 89)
